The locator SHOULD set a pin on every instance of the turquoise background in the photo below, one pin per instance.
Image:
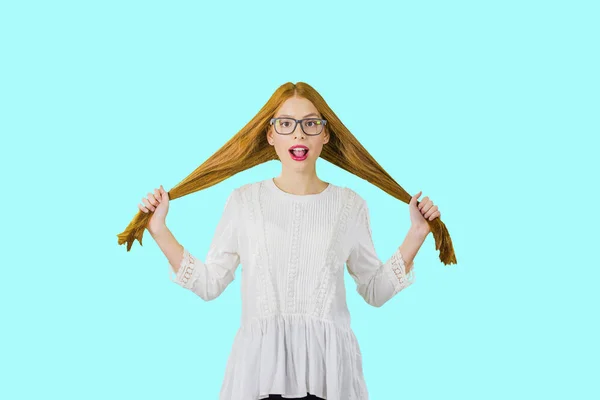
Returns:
(490, 108)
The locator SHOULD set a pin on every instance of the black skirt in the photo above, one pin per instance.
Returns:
(308, 397)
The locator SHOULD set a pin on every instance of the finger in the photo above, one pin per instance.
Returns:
(155, 198)
(425, 200)
(142, 208)
(429, 208)
(152, 199)
(430, 211)
(434, 215)
(147, 204)
(413, 199)
(157, 195)
(425, 205)
(164, 193)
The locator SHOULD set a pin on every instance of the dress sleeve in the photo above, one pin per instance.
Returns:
(209, 278)
(377, 282)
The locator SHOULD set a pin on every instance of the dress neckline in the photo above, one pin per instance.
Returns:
(270, 183)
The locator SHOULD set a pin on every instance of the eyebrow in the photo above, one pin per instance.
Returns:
(307, 115)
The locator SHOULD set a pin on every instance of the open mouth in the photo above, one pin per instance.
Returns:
(299, 153)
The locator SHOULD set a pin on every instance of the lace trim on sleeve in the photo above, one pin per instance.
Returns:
(400, 278)
(187, 267)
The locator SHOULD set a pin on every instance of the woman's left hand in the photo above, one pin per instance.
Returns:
(419, 214)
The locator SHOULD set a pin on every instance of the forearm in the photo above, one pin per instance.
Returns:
(169, 246)
(411, 245)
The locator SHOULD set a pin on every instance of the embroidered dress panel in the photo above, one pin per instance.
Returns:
(295, 335)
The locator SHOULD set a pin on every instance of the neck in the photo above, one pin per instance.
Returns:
(300, 183)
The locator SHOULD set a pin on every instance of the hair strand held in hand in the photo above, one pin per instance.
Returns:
(249, 147)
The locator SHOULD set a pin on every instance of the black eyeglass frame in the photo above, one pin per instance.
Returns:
(296, 121)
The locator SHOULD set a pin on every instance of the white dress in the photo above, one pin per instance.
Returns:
(295, 336)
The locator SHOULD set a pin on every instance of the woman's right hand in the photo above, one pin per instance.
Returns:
(158, 203)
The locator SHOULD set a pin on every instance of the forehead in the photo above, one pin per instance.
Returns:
(297, 107)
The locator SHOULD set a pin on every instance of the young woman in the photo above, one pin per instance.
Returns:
(292, 234)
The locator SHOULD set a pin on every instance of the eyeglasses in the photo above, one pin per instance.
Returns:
(310, 126)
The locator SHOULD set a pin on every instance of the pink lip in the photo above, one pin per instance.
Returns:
(298, 158)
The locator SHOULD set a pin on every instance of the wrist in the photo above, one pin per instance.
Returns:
(418, 232)
(158, 231)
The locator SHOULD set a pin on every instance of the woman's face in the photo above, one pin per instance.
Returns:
(297, 108)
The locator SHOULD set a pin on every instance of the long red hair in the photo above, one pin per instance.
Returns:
(249, 147)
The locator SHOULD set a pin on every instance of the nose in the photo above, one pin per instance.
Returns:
(298, 131)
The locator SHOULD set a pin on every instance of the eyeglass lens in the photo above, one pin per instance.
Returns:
(286, 126)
